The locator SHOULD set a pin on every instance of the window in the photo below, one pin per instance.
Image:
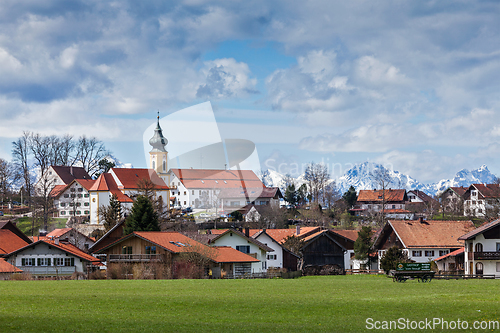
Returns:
(28, 261)
(73, 195)
(127, 250)
(43, 262)
(479, 247)
(498, 247)
(416, 253)
(78, 204)
(243, 248)
(429, 253)
(443, 252)
(78, 212)
(63, 204)
(66, 195)
(63, 212)
(235, 203)
(184, 192)
(86, 204)
(393, 206)
(498, 266)
(271, 257)
(58, 261)
(199, 192)
(86, 195)
(72, 190)
(69, 261)
(262, 202)
(80, 195)
(192, 192)
(71, 204)
(150, 249)
(154, 165)
(87, 212)
(164, 165)
(71, 212)
(80, 189)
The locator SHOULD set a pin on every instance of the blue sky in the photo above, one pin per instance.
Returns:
(410, 84)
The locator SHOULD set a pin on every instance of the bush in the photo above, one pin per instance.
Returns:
(97, 275)
(22, 277)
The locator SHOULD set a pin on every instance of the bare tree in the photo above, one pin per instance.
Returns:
(21, 154)
(384, 180)
(89, 152)
(317, 177)
(7, 177)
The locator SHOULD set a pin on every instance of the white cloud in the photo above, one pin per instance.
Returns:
(225, 78)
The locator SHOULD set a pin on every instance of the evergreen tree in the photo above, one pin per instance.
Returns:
(363, 245)
(111, 214)
(392, 257)
(291, 195)
(143, 216)
(350, 196)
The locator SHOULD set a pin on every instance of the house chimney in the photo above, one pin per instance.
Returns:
(421, 219)
(71, 170)
(297, 228)
(247, 232)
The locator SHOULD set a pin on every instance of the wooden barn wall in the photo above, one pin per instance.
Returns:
(289, 261)
(323, 251)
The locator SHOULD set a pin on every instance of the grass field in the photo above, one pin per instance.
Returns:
(332, 304)
(25, 224)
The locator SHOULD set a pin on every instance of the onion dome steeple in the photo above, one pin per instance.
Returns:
(158, 142)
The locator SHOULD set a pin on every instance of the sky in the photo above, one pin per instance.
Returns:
(414, 85)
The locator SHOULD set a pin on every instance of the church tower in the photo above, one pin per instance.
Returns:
(158, 155)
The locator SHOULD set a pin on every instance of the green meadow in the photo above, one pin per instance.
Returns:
(310, 304)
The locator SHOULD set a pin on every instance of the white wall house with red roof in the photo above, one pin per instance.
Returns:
(482, 250)
(72, 199)
(51, 258)
(125, 183)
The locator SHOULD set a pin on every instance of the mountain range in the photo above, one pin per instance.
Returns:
(361, 176)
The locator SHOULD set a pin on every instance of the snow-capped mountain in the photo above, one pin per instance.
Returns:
(364, 177)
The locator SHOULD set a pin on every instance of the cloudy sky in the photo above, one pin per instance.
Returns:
(412, 84)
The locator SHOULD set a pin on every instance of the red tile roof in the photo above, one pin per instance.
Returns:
(451, 254)
(279, 235)
(58, 232)
(377, 195)
(431, 233)
(67, 174)
(488, 190)
(106, 182)
(217, 179)
(349, 234)
(260, 192)
(396, 211)
(128, 178)
(228, 254)
(5, 267)
(459, 190)
(484, 227)
(10, 242)
(57, 190)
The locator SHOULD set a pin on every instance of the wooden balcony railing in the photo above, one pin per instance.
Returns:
(486, 255)
(134, 257)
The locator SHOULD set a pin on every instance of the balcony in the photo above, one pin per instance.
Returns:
(49, 270)
(486, 255)
(134, 257)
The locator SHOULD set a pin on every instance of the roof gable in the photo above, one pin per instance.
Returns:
(217, 179)
(128, 178)
(242, 235)
(429, 233)
(379, 195)
(10, 242)
(68, 173)
(7, 225)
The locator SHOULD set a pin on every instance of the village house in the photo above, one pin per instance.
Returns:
(71, 236)
(421, 203)
(200, 188)
(125, 183)
(322, 248)
(391, 201)
(422, 240)
(72, 199)
(482, 249)
(166, 248)
(482, 199)
(61, 175)
(244, 243)
(346, 238)
(452, 200)
(52, 258)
